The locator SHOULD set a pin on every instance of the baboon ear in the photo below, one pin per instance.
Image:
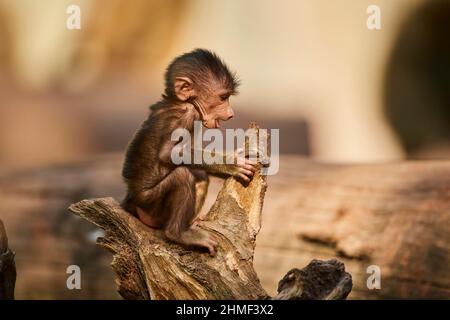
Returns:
(184, 88)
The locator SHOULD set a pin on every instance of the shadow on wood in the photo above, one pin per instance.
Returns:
(7, 267)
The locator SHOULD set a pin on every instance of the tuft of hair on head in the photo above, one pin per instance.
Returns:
(201, 66)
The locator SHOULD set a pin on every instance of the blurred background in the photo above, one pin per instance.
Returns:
(311, 68)
(337, 91)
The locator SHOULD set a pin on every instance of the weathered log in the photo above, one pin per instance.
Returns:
(7, 267)
(149, 266)
(394, 215)
(319, 280)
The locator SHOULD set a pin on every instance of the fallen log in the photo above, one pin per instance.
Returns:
(393, 215)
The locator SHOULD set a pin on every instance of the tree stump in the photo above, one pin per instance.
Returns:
(148, 266)
(7, 267)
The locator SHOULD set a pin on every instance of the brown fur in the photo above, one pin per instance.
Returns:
(159, 193)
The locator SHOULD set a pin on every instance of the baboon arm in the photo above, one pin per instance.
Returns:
(223, 166)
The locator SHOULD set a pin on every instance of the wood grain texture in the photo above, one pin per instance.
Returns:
(149, 266)
(394, 215)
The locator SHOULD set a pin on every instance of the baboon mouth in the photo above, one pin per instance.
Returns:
(217, 124)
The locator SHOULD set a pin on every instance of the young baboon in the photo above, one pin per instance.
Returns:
(198, 86)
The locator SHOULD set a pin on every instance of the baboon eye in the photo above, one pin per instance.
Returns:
(224, 97)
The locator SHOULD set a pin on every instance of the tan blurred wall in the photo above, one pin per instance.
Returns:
(312, 60)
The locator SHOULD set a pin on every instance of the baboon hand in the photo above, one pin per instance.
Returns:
(245, 169)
